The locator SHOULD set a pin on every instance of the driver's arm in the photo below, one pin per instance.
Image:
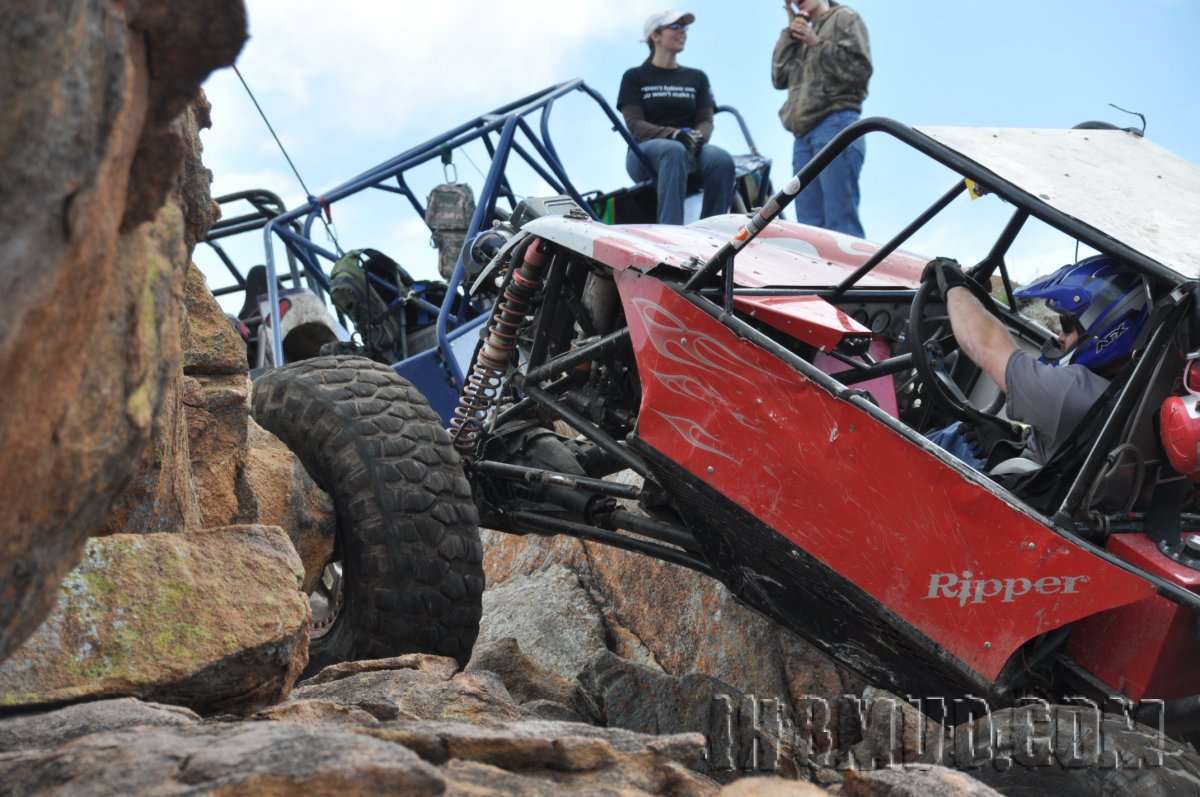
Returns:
(980, 334)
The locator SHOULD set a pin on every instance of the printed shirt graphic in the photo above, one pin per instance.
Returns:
(668, 96)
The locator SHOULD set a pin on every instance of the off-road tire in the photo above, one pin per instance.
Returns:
(407, 528)
(1026, 757)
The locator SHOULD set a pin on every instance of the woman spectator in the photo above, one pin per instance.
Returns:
(669, 110)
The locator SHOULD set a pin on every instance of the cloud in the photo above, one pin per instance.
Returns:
(386, 66)
(348, 85)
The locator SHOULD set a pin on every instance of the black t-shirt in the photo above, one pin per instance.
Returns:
(667, 96)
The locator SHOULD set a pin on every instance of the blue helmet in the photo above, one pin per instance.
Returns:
(1105, 301)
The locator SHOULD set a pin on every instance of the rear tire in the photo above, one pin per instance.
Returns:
(408, 542)
(1036, 750)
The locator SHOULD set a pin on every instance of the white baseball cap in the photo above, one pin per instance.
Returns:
(663, 18)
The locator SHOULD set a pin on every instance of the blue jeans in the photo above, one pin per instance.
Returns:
(952, 440)
(832, 201)
(672, 165)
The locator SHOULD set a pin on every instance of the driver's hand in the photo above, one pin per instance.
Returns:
(946, 272)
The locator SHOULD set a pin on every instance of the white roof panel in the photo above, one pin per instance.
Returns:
(1123, 186)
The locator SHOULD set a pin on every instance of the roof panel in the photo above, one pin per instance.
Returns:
(1123, 186)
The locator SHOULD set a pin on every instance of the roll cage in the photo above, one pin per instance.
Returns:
(520, 128)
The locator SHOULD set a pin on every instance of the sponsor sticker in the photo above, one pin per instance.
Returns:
(966, 588)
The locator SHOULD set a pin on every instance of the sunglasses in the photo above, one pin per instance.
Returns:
(673, 26)
(1071, 323)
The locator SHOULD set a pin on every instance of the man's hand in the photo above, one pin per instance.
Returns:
(691, 139)
(801, 29)
(946, 272)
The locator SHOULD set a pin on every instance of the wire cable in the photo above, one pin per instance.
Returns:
(328, 229)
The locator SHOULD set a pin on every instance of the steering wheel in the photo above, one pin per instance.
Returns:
(932, 341)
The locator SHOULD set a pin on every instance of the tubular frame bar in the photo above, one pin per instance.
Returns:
(503, 121)
(522, 473)
(543, 524)
(947, 157)
(590, 431)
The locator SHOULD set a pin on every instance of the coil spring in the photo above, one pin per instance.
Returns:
(480, 391)
(482, 387)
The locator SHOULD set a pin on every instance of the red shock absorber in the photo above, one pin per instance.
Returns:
(483, 383)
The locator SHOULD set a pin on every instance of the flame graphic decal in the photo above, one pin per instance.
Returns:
(673, 340)
(695, 434)
(692, 388)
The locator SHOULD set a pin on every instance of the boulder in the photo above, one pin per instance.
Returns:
(770, 787)
(440, 668)
(318, 713)
(631, 779)
(522, 758)
(158, 497)
(93, 248)
(539, 692)
(262, 758)
(56, 728)
(684, 621)
(410, 758)
(916, 781)
(211, 345)
(550, 615)
(212, 620)
(893, 731)
(217, 409)
(286, 496)
(745, 734)
(215, 389)
(413, 688)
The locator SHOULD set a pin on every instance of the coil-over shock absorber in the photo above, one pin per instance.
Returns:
(483, 384)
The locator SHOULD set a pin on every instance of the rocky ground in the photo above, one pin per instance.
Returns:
(409, 725)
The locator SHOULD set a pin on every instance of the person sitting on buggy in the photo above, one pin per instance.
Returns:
(1103, 307)
(669, 109)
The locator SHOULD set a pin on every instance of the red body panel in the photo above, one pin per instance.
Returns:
(883, 388)
(1147, 649)
(784, 255)
(807, 318)
(974, 573)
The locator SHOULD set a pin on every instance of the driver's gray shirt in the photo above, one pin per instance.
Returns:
(1051, 398)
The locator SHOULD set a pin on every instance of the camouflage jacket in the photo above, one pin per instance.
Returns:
(832, 76)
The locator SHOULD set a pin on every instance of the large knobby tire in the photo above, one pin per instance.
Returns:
(408, 547)
(1073, 751)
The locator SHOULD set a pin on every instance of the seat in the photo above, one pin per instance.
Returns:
(256, 285)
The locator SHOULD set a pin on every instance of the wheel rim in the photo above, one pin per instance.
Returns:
(326, 600)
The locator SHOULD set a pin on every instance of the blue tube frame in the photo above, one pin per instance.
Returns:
(505, 122)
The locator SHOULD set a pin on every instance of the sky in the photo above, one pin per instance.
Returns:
(347, 85)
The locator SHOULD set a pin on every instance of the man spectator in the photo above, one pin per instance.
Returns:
(823, 59)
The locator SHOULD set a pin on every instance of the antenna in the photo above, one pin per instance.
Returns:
(1139, 133)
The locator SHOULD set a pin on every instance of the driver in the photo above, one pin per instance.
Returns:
(1103, 307)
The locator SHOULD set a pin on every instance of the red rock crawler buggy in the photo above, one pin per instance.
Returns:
(772, 384)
